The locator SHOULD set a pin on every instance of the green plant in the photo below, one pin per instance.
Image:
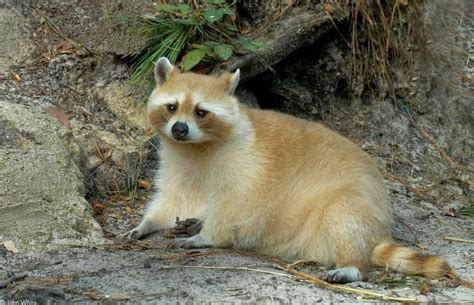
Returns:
(188, 34)
(467, 211)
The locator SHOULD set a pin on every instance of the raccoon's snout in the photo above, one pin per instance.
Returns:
(180, 130)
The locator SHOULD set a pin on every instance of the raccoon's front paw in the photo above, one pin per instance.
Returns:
(197, 241)
(187, 228)
(145, 228)
(136, 233)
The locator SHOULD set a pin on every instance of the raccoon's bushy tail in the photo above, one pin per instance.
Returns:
(408, 261)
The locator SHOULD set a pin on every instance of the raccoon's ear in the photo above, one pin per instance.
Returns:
(163, 69)
(233, 81)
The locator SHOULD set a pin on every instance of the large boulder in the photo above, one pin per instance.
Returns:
(15, 44)
(41, 187)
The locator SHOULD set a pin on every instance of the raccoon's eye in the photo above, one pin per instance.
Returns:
(201, 113)
(171, 107)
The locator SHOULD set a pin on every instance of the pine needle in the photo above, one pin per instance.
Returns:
(228, 268)
(459, 239)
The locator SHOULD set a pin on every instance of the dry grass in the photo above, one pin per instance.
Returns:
(383, 36)
(462, 240)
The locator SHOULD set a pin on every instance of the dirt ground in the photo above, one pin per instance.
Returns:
(427, 171)
(148, 272)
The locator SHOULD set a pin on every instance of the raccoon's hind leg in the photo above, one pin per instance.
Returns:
(348, 226)
(351, 262)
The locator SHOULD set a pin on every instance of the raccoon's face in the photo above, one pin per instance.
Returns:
(192, 108)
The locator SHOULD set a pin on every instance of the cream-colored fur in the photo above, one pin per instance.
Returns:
(275, 184)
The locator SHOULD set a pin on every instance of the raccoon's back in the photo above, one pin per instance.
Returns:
(295, 147)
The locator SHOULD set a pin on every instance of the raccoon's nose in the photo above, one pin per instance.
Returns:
(179, 130)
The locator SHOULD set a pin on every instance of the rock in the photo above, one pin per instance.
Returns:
(42, 203)
(15, 44)
(444, 77)
(119, 98)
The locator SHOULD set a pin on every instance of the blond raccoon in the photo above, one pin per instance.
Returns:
(269, 182)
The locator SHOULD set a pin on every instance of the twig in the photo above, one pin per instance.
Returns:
(459, 239)
(73, 90)
(399, 219)
(12, 279)
(337, 28)
(58, 31)
(275, 18)
(228, 268)
(409, 188)
(441, 221)
(302, 262)
(124, 296)
(53, 281)
(189, 254)
(430, 139)
(136, 245)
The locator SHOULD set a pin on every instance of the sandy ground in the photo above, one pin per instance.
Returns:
(147, 271)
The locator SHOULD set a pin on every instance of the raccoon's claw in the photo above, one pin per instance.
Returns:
(342, 275)
(187, 228)
(333, 277)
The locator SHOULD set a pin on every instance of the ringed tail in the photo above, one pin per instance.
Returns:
(408, 261)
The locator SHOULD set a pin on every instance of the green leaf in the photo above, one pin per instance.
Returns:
(214, 1)
(168, 8)
(200, 47)
(230, 27)
(228, 11)
(186, 22)
(213, 14)
(182, 8)
(192, 58)
(224, 51)
(248, 44)
(211, 44)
